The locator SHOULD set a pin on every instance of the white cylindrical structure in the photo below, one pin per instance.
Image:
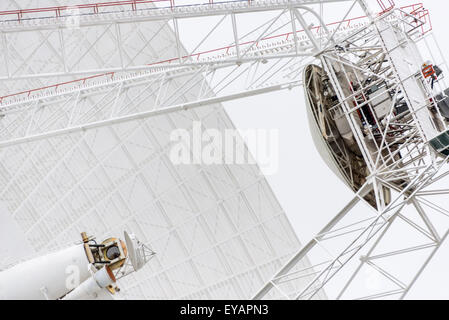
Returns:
(90, 288)
(47, 277)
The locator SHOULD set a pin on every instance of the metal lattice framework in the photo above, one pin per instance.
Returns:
(402, 167)
(110, 82)
(218, 230)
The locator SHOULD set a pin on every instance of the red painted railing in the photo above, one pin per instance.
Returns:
(91, 7)
(134, 5)
(416, 9)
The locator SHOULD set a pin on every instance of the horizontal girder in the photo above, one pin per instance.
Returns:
(52, 19)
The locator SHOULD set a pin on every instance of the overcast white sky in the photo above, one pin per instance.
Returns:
(308, 191)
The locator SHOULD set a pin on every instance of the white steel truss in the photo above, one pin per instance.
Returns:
(360, 231)
(74, 48)
(137, 83)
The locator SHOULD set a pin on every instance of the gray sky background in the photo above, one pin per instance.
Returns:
(308, 191)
